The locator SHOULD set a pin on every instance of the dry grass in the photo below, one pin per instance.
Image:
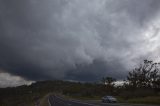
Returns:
(146, 100)
(44, 101)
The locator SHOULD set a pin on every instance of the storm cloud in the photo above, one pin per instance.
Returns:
(7, 80)
(77, 39)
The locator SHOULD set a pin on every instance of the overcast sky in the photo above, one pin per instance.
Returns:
(82, 40)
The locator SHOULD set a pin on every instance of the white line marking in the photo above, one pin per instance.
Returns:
(82, 103)
(74, 101)
(49, 102)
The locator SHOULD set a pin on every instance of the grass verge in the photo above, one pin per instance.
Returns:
(146, 100)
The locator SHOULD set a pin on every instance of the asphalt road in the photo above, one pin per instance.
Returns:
(58, 101)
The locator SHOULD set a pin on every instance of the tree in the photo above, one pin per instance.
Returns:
(109, 84)
(108, 81)
(146, 75)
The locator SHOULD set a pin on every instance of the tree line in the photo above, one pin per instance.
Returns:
(141, 81)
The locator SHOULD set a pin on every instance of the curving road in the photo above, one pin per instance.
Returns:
(58, 101)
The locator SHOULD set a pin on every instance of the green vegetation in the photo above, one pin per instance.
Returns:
(141, 86)
(28, 95)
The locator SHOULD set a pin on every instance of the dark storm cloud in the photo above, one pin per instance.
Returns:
(63, 38)
(97, 70)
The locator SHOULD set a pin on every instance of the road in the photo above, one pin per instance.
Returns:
(58, 101)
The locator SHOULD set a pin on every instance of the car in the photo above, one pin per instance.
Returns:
(109, 99)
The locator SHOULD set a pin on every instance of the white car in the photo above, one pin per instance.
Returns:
(109, 99)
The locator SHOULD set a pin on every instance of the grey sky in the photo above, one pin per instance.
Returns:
(77, 39)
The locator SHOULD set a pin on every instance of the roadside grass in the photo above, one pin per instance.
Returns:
(44, 101)
(146, 100)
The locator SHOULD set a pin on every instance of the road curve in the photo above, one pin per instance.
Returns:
(58, 101)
